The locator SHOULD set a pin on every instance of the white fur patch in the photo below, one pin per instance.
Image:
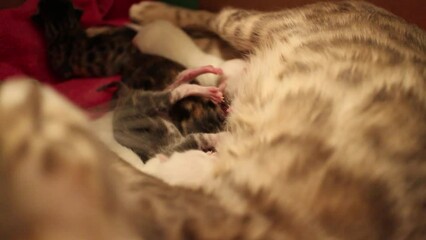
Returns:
(190, 169)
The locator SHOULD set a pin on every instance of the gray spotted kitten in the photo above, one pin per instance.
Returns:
(142, 119)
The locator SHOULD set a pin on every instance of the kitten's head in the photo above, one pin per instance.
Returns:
(198, 115)
(57, 16)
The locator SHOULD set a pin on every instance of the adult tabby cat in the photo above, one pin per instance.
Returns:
(327, 141)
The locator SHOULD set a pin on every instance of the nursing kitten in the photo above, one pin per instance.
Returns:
(144, 120)
(327, 141)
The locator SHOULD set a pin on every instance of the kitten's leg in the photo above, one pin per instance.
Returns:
(149, 11)
(185, 90)
(240, 28)
(180, 90)
(150, 102)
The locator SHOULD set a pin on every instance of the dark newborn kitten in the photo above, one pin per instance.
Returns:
(72, 53)
(142, 119)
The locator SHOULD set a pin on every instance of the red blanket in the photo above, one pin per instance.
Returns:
(22, 49)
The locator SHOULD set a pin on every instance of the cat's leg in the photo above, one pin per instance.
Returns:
(167, 40)
(150, 102)
(137, 136)
(164, 39)
(241, 28)
(190, 74)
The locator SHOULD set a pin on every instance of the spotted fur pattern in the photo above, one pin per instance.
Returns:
(327, 141)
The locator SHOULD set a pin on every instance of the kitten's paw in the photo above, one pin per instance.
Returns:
(214, 94)
(189, 74)
(146, 12)
(192, 73)
(186, 90)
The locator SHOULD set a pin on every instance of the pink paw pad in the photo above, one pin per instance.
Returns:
(214, 94)
(186, 90)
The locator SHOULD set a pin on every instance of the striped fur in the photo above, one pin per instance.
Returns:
(330, 118)
(327, 141)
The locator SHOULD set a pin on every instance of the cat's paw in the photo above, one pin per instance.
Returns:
(148, 11)
(186, 90)
(214, 94)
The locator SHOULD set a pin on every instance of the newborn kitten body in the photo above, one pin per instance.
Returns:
(142, 119)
